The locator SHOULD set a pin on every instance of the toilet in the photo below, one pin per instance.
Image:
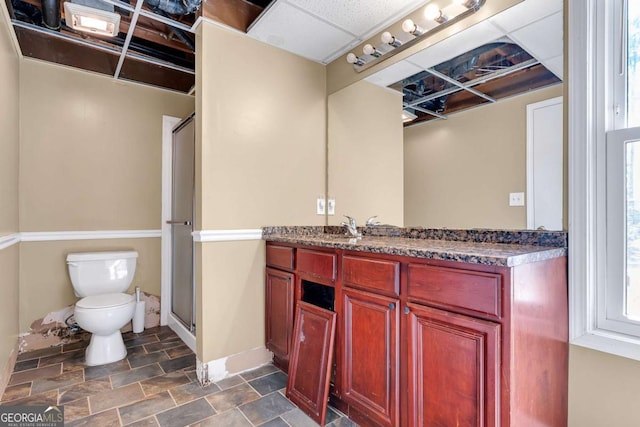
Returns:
(100, 279)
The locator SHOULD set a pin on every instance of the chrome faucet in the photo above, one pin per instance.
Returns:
(352, 228)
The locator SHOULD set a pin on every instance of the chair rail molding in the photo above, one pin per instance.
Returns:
(9, 240)
(44, 236)
(227, 235)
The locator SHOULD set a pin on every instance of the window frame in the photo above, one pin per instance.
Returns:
(592, 111)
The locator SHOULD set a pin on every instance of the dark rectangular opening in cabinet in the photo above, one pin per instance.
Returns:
(319, 295)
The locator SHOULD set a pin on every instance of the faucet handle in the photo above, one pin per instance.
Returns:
(371, 221)
(352, 221)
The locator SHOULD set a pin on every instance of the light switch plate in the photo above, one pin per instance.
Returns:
(320, 204)
(516, 199)
(331, 206)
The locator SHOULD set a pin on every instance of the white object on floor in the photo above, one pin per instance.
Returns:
(138, 317)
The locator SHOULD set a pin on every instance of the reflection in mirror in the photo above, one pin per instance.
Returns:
(484, 74)
(460, 163)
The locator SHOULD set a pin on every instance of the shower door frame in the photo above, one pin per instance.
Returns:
(166, 316)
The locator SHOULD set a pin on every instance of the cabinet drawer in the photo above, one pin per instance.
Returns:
(463, 289)
(280, 257)
(321, 265)
(371, 274)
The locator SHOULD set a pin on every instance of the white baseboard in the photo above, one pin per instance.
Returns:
(185, 335)
(219, 369)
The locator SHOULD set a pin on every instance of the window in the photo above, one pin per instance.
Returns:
(604, 174)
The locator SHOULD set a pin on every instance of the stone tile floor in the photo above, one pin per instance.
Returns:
(155, 385)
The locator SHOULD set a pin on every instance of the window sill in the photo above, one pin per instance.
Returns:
(610, 342)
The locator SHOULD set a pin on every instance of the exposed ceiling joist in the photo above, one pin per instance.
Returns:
(238, 14)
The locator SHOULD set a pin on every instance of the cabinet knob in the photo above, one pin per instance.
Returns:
(406, 310)
(392, 306)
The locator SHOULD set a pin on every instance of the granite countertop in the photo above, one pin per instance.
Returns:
(489, 247)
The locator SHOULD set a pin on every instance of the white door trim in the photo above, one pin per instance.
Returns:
(185, 335)
(168, 123)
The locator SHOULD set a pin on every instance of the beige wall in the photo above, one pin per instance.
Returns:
(9, 109)
(90, 159)
(459, 172)
(603, 389)
(44, 280)
(9, 329)
(9, 140)
(90, 150)
(232, 305)
(263, 133)
(365, 166)
(261, 150)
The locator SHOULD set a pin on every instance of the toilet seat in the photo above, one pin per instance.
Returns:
(94, 302)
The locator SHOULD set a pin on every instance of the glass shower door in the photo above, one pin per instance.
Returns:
(182, 280)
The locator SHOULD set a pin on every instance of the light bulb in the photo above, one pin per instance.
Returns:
(408, 26)
(432, 12)
(353, 59)
(390, 40)
(370, 50)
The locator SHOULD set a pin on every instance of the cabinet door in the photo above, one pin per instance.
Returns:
(370, 355)
(453, 368)
(279, 312)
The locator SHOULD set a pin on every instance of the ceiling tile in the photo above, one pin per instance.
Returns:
(526, 12)
(555, 65)
(359, 17)
(542, 39)
(291, 29)
(459, 43)
(393, 73)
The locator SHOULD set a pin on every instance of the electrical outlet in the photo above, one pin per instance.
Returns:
(516, 199)
(331, 206)
(320, 204)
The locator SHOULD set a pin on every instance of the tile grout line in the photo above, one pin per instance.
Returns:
(244, 415)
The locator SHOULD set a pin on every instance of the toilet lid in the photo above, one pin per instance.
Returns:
(104, 300)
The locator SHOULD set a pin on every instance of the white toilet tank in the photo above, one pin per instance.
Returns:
(94, 273)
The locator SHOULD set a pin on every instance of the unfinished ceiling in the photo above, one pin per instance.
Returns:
(155, 44)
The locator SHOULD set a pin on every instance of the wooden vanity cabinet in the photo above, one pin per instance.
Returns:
(439, 343)
(453, 369)
(280, 302)
(487, 345)
(453, 358)
(370, 325)
(370, 356)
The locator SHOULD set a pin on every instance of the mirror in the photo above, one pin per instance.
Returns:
(457, 167)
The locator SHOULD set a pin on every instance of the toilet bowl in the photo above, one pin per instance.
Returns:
(103, 315)
(101, 278)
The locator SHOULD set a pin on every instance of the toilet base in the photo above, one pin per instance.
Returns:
(105, 349)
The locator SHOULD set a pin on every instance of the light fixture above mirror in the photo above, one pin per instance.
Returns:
(435, 19)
